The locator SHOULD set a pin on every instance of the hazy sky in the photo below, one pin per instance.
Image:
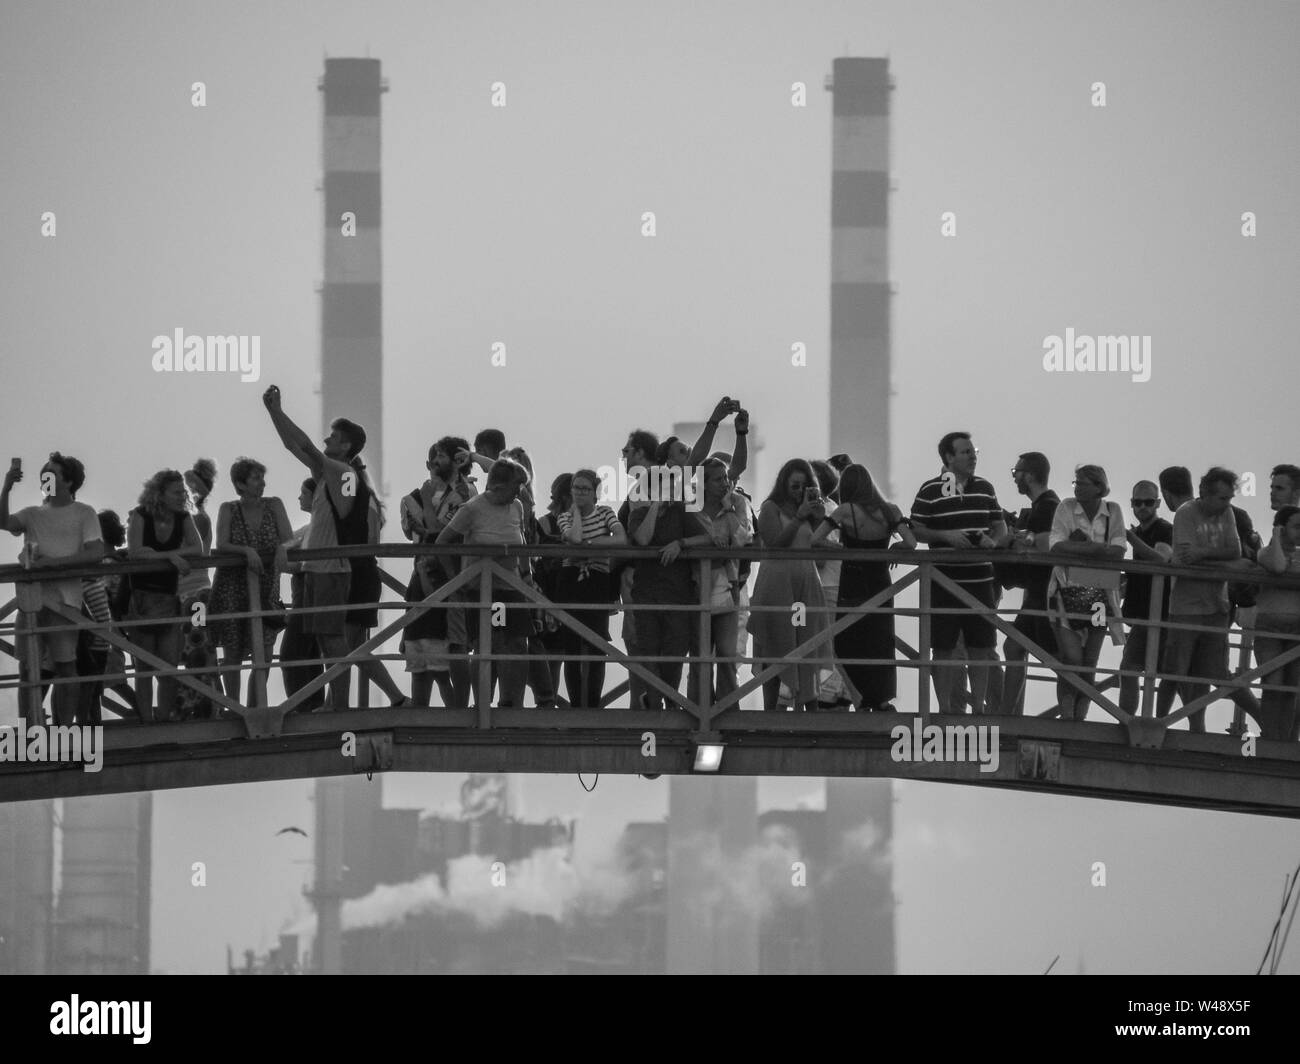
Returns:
(522, 224)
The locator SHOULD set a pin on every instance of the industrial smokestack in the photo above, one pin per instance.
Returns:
(858, 901)
(352, 296)
(103, 908)
(351, 386)
(26, 887)
(860, 292)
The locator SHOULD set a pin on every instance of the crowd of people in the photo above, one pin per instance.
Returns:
(1068, 608)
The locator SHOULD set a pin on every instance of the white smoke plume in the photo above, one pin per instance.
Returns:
(546, 883)
(772, 873)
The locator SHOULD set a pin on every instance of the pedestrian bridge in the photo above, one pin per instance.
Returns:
(1113, 754)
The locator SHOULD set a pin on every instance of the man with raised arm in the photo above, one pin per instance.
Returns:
(725, 407)
(326, 581)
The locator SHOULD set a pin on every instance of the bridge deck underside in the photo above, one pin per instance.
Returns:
(1053, 757)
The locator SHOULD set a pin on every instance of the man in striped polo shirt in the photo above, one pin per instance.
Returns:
(959, 511)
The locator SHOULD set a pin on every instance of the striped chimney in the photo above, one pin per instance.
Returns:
(860, 292)
(857, 902)
(352, 296)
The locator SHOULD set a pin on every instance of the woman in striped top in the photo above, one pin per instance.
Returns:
(586, 580)
(93, 650)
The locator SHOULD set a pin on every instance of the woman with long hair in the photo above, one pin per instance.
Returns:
(258, 528)
(539, 672)
(834, 690)
(435, 644)
(866, 521)
(788, 516)
(546, 571)
(159, 527)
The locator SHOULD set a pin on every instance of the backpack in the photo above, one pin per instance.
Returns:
(354, 529)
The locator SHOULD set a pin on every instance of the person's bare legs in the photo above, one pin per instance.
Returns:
(946, 681)
(1091, 653)
(1069, 650)
(1014, 678)
(231, 660)
(169, 649)
(982, 661)
(373, 669)
(335, 645)
(144, 672)
(262, 675)
(460, 678)
(512, 675)
(66, 695)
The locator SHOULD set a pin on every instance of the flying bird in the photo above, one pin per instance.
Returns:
(296, 831)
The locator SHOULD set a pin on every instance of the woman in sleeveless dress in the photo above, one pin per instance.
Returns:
(159, 528)
(866, 521)
(258, 528)
(786, 521)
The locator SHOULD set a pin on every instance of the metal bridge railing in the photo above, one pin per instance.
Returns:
(487, 567)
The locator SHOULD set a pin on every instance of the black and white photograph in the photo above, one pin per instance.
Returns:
(662, 488)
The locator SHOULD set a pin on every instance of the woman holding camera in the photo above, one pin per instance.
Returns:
(435, 644)
(786, 522)
(866, 521)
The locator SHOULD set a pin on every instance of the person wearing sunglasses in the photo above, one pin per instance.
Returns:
(638, 452)
(1033, 529)
(1086, 526)
(1152, 540)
